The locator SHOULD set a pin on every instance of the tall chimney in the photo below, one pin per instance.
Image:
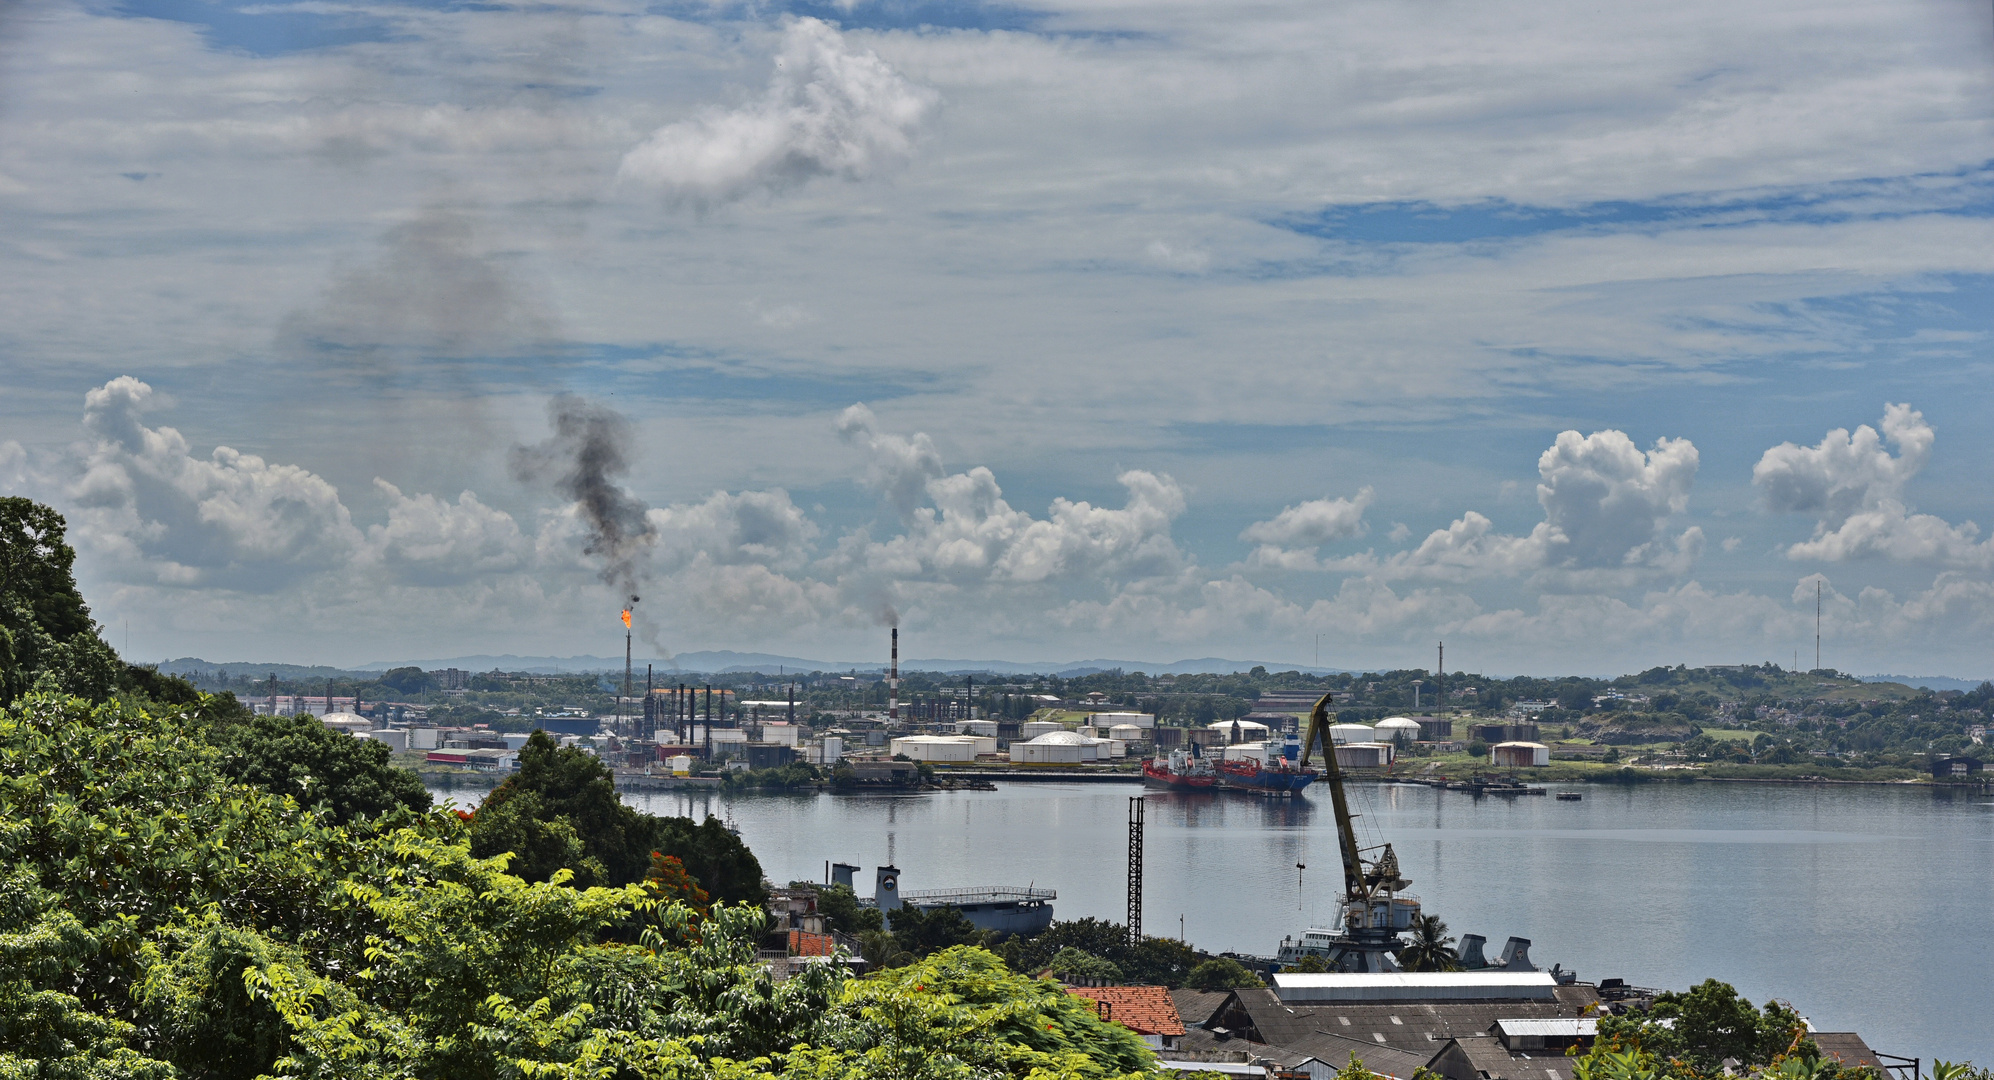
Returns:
(893, 681)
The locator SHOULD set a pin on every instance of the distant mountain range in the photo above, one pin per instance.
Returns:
(726, 661)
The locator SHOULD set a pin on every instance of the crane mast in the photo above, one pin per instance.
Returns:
(1373, 912)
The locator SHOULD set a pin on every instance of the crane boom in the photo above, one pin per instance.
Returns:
(1353, 869)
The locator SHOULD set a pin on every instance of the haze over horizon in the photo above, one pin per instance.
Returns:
(1583, 339)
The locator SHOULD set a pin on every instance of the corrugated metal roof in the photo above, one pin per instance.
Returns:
(1565, 1027)
(1416, 986)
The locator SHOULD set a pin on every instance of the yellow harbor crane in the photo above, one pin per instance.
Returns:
(1375, 908)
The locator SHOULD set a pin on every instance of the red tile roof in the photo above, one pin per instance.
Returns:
(804, 943)
(1145, 1010)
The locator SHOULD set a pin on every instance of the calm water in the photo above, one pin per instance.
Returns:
(1866, 907)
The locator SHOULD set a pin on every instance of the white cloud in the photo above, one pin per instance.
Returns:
(1606, 506)
(428, 540)
(231, 520)
(1313, 523)
(1855, 486)
(898, 467)
(830, 110)
(734, 529)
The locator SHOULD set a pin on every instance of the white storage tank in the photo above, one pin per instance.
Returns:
(1235, 731)
(1034, 728)
(1394, 728)
(681, 765)
(1113, 719)
(937, 747)
(396, 738)
(1125, 733)
(1052, 748)
(1352, 733)
(424, 738)
(976, 727)
(1247, 751)
(779, 732)
(1367, 755)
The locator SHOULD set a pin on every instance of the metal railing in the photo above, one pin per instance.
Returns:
(991, 894)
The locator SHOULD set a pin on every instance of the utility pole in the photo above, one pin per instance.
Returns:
(1817, 624)
(1135, 871)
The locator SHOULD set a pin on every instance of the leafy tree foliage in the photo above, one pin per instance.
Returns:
(922, 932)
(1221, 973)
(840, 907)
(1708, 1023)
(322, 768)
(560, 812)
(1154, 962)
(408, 680)
(1430, 949)
(160, 919)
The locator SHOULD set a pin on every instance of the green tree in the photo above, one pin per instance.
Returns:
(1708, 1023)
(1221, 973)
(408, 680)
(325, 769)
(560, 811)
(1070, 963)
(1431, 949)
(843, 913)
(922, 932)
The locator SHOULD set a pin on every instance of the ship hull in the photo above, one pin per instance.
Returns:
(1160, 776)
(1249, 777)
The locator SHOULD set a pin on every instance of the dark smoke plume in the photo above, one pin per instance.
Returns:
(589, 449)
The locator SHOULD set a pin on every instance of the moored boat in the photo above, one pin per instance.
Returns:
(1179, 771)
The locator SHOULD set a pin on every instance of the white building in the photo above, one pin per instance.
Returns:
(938, 747)
(1112, 719)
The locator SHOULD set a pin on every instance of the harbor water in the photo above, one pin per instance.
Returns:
(1865, 907)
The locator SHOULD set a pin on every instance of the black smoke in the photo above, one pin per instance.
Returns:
(589, 450)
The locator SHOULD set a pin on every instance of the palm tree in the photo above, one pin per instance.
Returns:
(1430, 948)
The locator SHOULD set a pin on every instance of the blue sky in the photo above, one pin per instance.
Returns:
(1173, 330)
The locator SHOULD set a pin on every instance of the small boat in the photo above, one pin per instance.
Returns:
(1569, 796)
(1180, 771)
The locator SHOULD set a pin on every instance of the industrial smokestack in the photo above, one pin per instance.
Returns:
(893, 681)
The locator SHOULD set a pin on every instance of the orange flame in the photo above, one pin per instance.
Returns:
(626, 618)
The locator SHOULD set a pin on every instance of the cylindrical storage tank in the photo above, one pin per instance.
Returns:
(1235, 731)
(681, 765)
(1352, 733)
(1125, 733)
(1044, 753)
(976, 727)
(1363, 755)
(1520, 754)
(779, 733)
(834, 749)
(396, 738)
(1034, 728)
(424, 738)
(1113, 719)
(1246, 751)
(1435, 728)
(1394, 728)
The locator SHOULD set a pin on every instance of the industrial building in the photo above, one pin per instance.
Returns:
(1519, 754)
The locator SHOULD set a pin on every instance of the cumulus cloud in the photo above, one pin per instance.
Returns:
(231, 519)
(1854, 486)
(1606, 507)
(1289, 541)
(898, 467)
(830, 110)
(734, 529)
(429, 540)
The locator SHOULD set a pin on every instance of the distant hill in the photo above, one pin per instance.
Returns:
(725, 661)
(1929, 682)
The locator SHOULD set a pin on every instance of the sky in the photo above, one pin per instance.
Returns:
(1581, 337)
